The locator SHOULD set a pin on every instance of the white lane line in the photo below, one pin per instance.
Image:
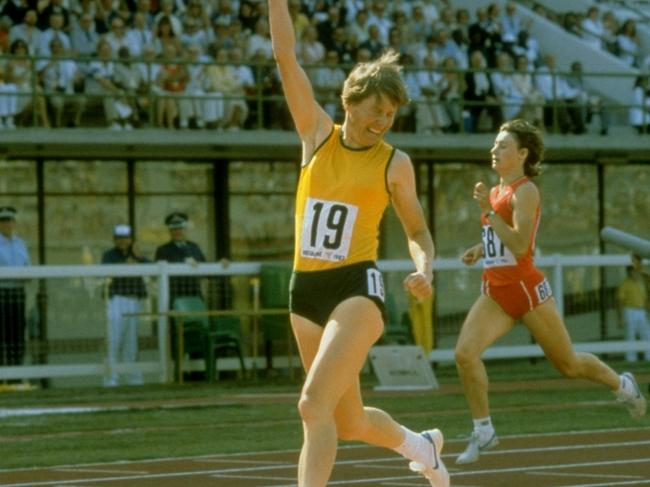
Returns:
(243, 462)
(541, 449)
(405, 484)
(252, 477)
(559, 466)
(344, 447)
(633, 483)
(99, 470)
(585, 475)
(455, 475)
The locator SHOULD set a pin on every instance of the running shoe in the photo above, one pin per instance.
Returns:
(436, 474)
(634, 401)
(474, 448)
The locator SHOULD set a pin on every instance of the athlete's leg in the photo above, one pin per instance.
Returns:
(332, 368)
(485, 323)
(354, 421)
(546, 325)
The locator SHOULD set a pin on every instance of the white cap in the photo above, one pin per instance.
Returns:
(122, 230)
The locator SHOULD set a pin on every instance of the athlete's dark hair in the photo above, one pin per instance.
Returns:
(528, 137)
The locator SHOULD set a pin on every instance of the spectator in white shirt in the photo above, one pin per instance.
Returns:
(429, 114)
(378, 15)
(260, 39)
(126, 77)
(560, 99)
(533, 106)
(28, 31)
(8, 101)
(511, 24)
(358, 28)
(139, 35)
(418, 26)
(593, 30)
(54, 32)
(100, 82)
(117, 36)
(244, 76)
(20, 73)
(60, 79)
(167, 10)
(194, 34)
(310, 50)
(192, 107)
(639, 113)
(84, 37)
(628, 43)
(327, 81)
(504, 87)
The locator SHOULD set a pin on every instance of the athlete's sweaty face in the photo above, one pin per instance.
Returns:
(506, 154)
(368, 121)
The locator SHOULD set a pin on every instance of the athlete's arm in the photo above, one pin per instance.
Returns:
(401, 184)
(312, 122)
(518, 237)
(472, 254)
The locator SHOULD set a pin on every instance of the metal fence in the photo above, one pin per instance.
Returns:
(71, 314)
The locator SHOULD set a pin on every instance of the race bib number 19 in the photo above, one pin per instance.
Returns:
(327, 229)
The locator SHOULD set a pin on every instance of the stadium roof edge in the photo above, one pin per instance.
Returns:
(161, 144)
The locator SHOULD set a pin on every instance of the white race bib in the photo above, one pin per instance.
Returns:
(375, 284)
(327, 229)
(495, 253)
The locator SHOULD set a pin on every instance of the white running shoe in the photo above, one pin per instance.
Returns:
(474, 448)
(436, 474)
(634, 402)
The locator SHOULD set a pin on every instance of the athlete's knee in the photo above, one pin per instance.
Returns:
(465, 357)
(311, 409)
(568, 366)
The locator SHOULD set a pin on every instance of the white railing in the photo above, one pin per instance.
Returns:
(554, 266)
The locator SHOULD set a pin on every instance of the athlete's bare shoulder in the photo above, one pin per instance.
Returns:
(400, 169)
(526, 194)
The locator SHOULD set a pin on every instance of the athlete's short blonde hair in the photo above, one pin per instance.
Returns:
(379, 77)
(528, 137)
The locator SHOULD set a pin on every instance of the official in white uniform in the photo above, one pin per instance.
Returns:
(125, 296)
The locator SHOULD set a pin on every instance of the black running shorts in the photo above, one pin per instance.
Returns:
(315, 294)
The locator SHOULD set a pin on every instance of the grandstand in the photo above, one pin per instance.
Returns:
(229, 158)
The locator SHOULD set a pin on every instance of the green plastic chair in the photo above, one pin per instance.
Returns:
(208, 337)
(274, 293)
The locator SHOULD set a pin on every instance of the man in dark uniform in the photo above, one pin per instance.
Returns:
(180, 250)
(124, 298)
(13, 253)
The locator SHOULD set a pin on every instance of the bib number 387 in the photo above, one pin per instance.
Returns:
(327, 229)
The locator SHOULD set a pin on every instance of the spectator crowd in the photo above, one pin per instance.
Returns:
(207, 64)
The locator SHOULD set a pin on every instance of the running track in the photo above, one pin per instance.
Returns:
(619, 457)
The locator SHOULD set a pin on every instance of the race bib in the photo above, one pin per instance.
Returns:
(375, 284)
(495, 253)
(327, 229)
(543, 291)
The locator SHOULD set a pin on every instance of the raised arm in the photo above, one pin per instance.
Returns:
(312, 122)
(401, 183)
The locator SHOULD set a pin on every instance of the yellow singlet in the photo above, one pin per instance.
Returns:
(342, 194)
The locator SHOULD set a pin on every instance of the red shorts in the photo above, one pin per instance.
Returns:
(519, 298)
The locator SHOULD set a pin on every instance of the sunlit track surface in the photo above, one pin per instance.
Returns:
(619, 457)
